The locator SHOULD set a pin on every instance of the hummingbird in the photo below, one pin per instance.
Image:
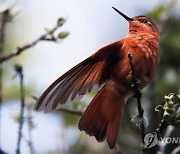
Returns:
(108, 71)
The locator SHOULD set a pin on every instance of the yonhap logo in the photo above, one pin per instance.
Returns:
(170, 139)
(150, 140)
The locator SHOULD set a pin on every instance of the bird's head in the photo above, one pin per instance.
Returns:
(140, 24)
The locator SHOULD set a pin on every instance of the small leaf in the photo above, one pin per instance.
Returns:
(60, 21)
(63, 35)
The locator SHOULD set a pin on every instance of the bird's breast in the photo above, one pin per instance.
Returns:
(145, 61)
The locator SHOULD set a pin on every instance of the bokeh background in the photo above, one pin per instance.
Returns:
(91, 24)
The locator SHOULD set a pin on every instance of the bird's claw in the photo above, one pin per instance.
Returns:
(136, 83)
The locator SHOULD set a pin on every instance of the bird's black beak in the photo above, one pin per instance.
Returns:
(122, 14)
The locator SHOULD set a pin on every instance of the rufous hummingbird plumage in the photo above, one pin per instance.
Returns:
(109, 69)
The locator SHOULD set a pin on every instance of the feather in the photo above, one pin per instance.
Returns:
(102, 117)
(90, 73)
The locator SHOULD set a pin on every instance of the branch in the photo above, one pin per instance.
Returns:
(48, 36)
(4, 20)
(163, 125)
(2, 29)
(19, 70)
(176, 150)
(64, 109)
(2, 152)
(30, 127)
(71, 111)
(138, 95)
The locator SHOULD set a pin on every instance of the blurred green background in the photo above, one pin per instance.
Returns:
(92, 25)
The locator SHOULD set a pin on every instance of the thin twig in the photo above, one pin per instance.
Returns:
(176, 150)
(19, 71)
(26, 140)
(163, 125)
(72, 111)
(65, 109)
(30, 127)
(45, 37)
(4, 20)
(2, 152)
(138, 95)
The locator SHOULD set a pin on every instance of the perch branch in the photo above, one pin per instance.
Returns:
(44, 37)
(138, 95)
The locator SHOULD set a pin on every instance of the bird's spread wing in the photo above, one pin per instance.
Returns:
(80, 79)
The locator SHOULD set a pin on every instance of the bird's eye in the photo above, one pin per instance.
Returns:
(145, 21)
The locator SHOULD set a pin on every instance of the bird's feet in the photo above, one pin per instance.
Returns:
(136, 83)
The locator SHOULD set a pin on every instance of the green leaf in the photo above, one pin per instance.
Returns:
(60, 21)
(63, 35)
